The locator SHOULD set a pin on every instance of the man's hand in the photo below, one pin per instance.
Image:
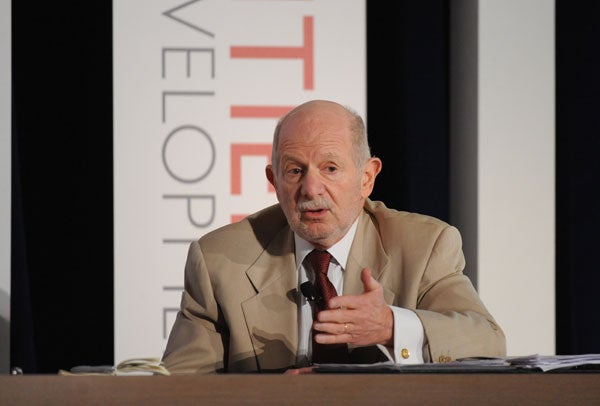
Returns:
(361, 320)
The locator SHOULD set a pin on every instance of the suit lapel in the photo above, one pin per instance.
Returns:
(366, 252)
(272, 315)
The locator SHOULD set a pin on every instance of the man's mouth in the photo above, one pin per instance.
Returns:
(313, 214)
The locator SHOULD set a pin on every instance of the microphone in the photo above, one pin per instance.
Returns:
(309, 292)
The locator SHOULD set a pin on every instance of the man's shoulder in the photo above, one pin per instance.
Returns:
(405, 233)
(392, 218)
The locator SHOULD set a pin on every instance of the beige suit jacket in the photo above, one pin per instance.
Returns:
(239, 312)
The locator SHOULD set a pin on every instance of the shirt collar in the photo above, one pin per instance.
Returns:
(339, 251)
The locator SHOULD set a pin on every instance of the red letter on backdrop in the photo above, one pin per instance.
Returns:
(239, 150)
(259, 111)
(237, 217)
(304, 52)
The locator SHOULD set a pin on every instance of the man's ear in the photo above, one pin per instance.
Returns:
(370, 172)
(270, 174)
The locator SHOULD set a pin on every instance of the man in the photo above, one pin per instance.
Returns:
(404, 298)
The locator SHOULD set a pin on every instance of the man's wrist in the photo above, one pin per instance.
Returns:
(388, 340)
(408, 337)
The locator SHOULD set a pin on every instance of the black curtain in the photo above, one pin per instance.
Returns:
(62, 242)
(577, 176)
(407, 103)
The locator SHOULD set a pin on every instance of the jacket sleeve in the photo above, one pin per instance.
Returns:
(455, 321)
(199, 335)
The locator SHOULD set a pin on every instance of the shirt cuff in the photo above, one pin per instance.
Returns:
(408, 338)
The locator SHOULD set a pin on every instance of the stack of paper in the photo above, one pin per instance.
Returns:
(133, 366)
(550, 362)
(473, 364)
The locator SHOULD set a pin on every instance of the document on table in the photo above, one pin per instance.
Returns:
(550, 362)
(133, 366)
(474, 364)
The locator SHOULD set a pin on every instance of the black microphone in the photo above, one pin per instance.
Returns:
(309, 292)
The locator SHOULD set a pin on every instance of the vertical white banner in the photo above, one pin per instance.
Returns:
(516, 164)
(5, 181)
(198, 88)
(503, 113)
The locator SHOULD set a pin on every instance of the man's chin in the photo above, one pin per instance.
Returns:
(315, 236)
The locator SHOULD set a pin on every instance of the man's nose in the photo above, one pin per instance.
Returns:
(312, 184)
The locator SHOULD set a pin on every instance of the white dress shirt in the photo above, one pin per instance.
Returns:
(408, 329)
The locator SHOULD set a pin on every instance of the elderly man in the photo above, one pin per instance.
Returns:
(402, 294)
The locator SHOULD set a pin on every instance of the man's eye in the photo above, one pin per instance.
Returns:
(295, 171)
(331, 169)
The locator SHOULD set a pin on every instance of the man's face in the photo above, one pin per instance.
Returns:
(319, 186)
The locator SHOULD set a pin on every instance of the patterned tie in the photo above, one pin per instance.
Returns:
(325, 353)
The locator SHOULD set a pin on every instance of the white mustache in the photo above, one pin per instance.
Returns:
(318, 204)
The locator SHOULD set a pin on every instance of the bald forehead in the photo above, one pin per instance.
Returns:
(316, 110)
(317, 107)
(322, 117)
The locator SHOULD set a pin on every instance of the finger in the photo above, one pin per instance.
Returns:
(369, 283)
(344, 302)
(334, 316)
(333, 338)
(333, 328)
(356, 301)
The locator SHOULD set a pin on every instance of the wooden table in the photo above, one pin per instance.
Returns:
(482, 389)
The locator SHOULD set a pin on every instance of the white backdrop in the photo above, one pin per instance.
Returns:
(198, 86)
(5, 152)
(503, 102)
(516, 125)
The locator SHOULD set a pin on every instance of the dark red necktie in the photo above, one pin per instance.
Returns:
(325, 353)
